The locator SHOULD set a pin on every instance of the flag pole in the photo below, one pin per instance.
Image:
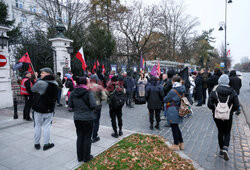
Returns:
(33, 70)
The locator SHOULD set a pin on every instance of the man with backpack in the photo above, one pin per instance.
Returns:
(116, 100)
(223, 101)
(46, 91)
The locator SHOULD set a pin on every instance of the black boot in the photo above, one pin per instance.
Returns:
(120, 132)
(115, 135)
(157, 126)
(151, 126)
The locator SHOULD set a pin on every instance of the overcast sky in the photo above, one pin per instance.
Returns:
(211, 12)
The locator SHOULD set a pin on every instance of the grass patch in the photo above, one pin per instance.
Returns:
(138, 151)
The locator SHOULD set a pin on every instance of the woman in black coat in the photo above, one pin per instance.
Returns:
(83, 102)
(223, 93)
(154, 97)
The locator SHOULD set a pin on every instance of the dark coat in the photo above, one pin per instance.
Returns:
(167, 86)
(198, 86)
(45, 97)
(223, 93)
(174, 100)
(129, 84)
(154, 95)
(83, 102)
(235, 82)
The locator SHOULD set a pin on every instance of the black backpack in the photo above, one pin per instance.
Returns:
(117, 98)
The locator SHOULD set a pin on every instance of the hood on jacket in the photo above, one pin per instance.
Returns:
(50, 79)
(224, 90)
(80, 91)
(180, 89)
(232, 73)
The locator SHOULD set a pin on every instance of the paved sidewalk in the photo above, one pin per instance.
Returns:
(17, 150)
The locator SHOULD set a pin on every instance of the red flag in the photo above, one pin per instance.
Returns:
(80, 56)
(30, 69)
(158, 69)
(94, 68)
(25, 58)
(103, 69)
(228, 52)
(97, 62)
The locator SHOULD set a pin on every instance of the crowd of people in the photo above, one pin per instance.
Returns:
(162, 93)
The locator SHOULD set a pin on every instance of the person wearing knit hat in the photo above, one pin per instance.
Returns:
(223, 93)
(223, 80)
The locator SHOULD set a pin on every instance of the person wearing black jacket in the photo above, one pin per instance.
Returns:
(213, 80)
(235, 82)
(83, 102)
(46, 91)
(198, 88)
(154, 97)
(223, 93)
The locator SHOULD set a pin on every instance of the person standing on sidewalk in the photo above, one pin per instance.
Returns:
(173, 102)
(154, 97)
(60, 86)
(26, 84)
(46, 91)
(199, 88)
(205, 77)
(223, 94)
(83, 102)
(235, 83)
(100, 95)
(116, 100)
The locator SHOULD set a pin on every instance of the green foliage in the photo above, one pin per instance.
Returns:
(15, 32)
(39, 50)
(204, 49)
(4, 15)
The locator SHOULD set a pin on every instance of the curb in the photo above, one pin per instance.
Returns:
(242, 117)
(183, 155)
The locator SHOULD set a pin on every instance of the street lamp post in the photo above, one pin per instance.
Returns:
(225, 27)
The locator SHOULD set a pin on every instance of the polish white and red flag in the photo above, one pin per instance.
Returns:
(80, 56)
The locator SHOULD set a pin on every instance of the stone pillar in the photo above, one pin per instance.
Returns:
(62, 57)
(5, 75)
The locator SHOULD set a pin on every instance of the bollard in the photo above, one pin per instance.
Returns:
(15, 109)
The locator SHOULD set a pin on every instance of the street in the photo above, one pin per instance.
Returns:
(245, 95)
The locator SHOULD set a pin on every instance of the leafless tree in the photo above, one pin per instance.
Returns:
(72, 12)
(176, 26)
(137, 26)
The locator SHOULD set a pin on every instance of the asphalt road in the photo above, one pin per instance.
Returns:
(244, 96)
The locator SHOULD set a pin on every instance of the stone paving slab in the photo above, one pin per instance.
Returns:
(199, 133)
(18, 152)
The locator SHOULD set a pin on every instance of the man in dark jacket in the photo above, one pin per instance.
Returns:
(83, 102)
(154, 97)
(44, 104)
(235, 82)
(213, 80)
(198, 88)
(204, 85)
(129, 84)
(223, 93)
